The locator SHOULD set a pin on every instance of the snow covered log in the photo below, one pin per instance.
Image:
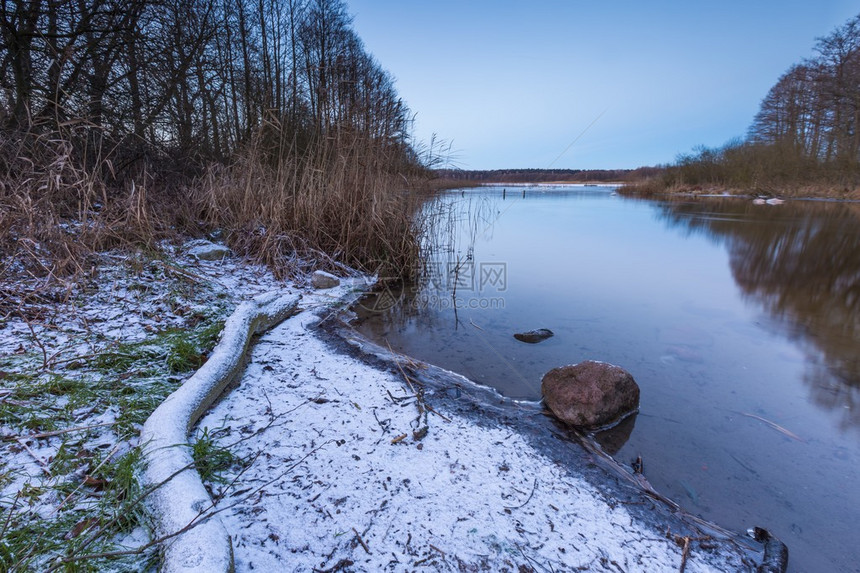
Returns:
(197, 541)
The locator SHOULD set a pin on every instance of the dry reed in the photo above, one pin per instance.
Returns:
(346, 202)
(342, 203)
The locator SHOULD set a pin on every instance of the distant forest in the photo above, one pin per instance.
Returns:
(805, 137)
(544, 175)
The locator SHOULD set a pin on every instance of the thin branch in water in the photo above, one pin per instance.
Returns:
(775, 426)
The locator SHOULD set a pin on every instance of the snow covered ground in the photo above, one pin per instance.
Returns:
(346, 470)
(80, 369)
(344, 464)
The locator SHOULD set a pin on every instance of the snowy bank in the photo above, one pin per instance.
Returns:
(346, 465)
(82, 366)
(179, 501)
(382, 463)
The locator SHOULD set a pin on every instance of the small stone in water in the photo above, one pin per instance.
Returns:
(534, 336)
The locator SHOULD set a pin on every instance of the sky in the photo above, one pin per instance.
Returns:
(587, 85)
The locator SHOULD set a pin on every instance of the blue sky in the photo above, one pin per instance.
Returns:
(513, 84)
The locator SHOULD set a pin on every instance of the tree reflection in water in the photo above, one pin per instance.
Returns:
(801, 262)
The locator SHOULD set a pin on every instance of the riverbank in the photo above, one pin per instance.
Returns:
(386, 464)
(82, 366)
(325, 457)
(652, 189)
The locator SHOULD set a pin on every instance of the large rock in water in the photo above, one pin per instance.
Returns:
(590, 394)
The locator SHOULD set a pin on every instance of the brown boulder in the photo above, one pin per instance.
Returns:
(590, 394)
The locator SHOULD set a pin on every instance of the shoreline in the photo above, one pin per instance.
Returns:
(388, 462)
(643, 190)
(310, 382)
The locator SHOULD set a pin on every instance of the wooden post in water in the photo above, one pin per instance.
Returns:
(524, 193)
(503, 193)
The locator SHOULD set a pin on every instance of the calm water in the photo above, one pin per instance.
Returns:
(726, 313)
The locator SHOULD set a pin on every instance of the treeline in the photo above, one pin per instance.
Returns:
(805, 137)
(538, 175)
(100, 99)
(193, 76)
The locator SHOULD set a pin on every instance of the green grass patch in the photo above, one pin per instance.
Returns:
(95, 513)
(81, 497)
(132, 379)
(210, 459)
(180, 349)
(184, 355)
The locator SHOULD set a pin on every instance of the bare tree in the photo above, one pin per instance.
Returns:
(195, 76)
(814, 108)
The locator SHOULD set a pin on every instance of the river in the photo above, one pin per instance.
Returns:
(740, 322)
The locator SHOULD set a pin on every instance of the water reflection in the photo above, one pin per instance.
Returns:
(452, 224)
(746, 327)
(613, 439)
(801, 262)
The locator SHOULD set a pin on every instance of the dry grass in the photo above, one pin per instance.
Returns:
(749, 168)
(346, 202)
(341, 204)
(59, 204)
(40, 189)
(822, 190)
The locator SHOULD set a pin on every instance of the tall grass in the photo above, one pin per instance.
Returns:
(62, 200)
(345, 201)
(765, 168)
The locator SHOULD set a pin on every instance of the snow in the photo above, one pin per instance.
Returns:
(332, 483)
(127, 299)
(179, 498)
(324, 280)
(206, 251)
(339, 472)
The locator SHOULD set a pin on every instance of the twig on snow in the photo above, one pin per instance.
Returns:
(39, 344)
(42, 463)
(361, 541)
(405, 377)
(201, 517)
(61, 432)
(685, 555)
(84, 482)
(534, 487)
